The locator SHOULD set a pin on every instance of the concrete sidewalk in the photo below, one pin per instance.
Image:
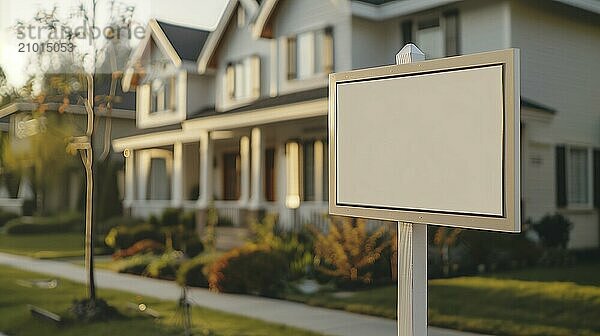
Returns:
(326, 321)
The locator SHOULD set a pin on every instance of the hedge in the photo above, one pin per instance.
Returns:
(5, 217)
(123, 237)
(249, 270)
(194, 271)
(71, 222)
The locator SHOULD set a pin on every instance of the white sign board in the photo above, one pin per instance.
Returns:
(433, 142)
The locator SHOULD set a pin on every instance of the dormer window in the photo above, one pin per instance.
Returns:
(163, 95)
(242, 79)
(310, 54)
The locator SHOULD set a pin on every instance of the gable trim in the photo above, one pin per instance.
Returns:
(264, 14)
(215, 36)
(163, 43)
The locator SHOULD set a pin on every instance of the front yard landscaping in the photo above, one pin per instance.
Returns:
(499, 284)
(15, 319)
(562, 302)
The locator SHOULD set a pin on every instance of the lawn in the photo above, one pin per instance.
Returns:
(15, 319)
(563, 302)
(44, 246)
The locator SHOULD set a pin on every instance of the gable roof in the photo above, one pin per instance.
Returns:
(252, 6)
(180, 43)
(186, 41)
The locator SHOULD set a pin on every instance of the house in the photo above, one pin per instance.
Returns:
(251, 137)
(65, 185)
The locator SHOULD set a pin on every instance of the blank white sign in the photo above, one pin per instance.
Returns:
(435, 142)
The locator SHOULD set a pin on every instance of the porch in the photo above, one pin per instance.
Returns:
(243, 172)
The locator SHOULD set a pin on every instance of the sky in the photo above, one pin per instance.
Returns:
(194, 13)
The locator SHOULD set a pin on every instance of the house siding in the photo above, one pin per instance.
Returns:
(483, 26)
(237, 43)
(559, 48)
(293, 17)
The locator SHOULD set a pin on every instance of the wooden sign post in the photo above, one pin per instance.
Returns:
(427, 142)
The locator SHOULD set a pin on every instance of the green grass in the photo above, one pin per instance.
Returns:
(15, 319)
(515, 307)
(536, 302)
(583, 274)
(44, 246)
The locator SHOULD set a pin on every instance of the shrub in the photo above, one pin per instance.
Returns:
(296, 246)
(69, 222)
(134, 265)
(105, 226)
(209, 238)
(165, 267)
(348, 251)
(495, 251)
(193, 247)
(554, 230)
(188, 220)
(251, 270)
(193, 272)
(171, 217)
(143, 246)
(6, 216)
(123, 237)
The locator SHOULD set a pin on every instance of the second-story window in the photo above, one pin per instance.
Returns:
(163, 95)
(242, 78)
(310, 54)
(437, 35)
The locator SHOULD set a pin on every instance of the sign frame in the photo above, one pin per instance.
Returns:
(510, 220)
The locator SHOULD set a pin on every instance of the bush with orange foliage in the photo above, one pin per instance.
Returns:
(143, 246)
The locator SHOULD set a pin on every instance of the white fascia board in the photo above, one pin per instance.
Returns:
(154, 139)
(190, 128)
(265, 11)
(394, 9)
(214, 37)
(309, 109)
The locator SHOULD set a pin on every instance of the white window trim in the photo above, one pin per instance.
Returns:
(144, 158)
(145, 118)
(429, 15)
(589, 205)
(315, 75)
(253, 82)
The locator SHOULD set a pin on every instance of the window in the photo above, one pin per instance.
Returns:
(308, 176)
(270, 175)
(242, 78)
(577, 177)
(310, 54)
(158, 180)
(437, 36)
(430, 38)
(578, 172)
(231, 176)
(163, 95)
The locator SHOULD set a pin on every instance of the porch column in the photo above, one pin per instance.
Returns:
(129, 178)
(318, 168)
(177, 176)
(258, 149)
(206, 167)
(245, 170)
